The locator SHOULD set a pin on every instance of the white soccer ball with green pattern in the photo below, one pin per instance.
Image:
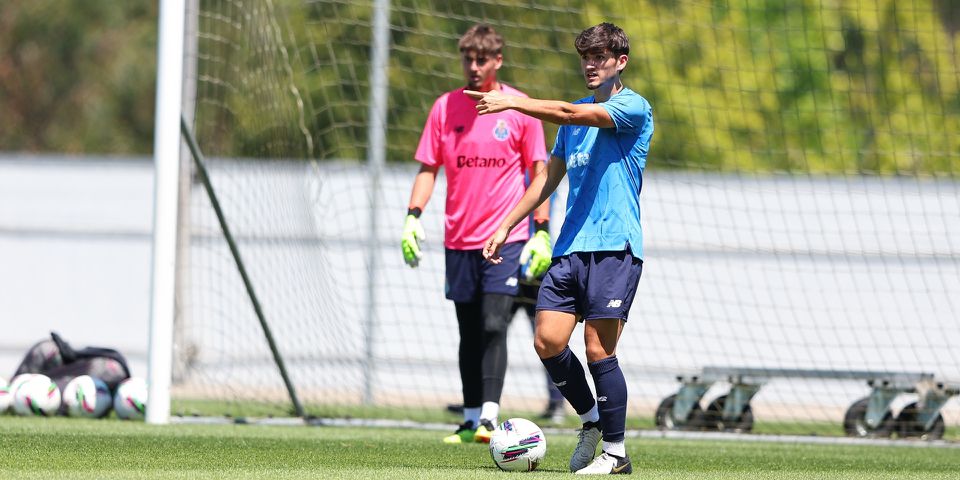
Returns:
(37, 395)
(88, 397)
(130, 401)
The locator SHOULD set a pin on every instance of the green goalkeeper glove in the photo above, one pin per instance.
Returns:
(538, 253)
(410, 241)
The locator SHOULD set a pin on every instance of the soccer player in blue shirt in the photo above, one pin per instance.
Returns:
(602, 147)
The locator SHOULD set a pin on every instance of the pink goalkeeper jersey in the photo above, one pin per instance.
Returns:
(485, 159)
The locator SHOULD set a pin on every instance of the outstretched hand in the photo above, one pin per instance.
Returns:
(490, 102)
(491, 248)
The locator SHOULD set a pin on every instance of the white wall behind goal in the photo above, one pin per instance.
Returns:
(75, 253)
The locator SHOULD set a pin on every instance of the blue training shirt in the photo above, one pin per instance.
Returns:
(605, 170)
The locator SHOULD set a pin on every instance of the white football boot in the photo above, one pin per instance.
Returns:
(607, 464)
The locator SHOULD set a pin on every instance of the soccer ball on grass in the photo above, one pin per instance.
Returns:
(87, 396)
(36, 395)
(130, 401)
(518, 445)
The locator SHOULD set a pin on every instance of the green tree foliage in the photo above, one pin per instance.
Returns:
(803, 86)
(77, 76)
(817, 86)
(811, 86)
(250, 100)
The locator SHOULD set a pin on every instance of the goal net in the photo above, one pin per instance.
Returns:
(801, 206)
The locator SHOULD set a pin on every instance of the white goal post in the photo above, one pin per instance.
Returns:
(170, 60)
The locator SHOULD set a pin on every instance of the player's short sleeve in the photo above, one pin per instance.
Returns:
(629, 112)
(559, 145)
(533, 146)
(429, 149)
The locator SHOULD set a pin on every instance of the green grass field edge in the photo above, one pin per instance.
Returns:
(242, 410)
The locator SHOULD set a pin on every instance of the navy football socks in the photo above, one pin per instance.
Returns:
(567, 374)
(611, 397)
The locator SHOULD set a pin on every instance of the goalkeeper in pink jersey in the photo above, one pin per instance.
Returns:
(485, 160)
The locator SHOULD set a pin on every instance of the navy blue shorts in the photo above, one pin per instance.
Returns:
(469, 274)
(592, 285)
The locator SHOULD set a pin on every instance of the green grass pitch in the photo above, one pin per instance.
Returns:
(73, 448)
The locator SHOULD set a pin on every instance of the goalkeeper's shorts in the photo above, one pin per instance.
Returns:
(469, 275)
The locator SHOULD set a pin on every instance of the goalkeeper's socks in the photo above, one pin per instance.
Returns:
(567, 374)
(471, 414)
(611, 397)
(490, 411)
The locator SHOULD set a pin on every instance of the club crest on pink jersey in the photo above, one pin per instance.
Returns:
(501, 132)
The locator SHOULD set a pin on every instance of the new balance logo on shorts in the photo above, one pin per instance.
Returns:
(511, 282)
(615, 303)
(602, 399)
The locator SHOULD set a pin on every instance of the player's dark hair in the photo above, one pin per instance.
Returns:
(483, 39)
(605, 36)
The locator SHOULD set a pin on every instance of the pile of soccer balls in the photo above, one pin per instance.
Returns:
(518, 445)
(84, 396)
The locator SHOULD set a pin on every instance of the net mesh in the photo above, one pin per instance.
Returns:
(800, 207)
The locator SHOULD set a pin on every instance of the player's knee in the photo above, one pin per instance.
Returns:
(547, 348)
(494, 325)
(541, 347)
(595, 353)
